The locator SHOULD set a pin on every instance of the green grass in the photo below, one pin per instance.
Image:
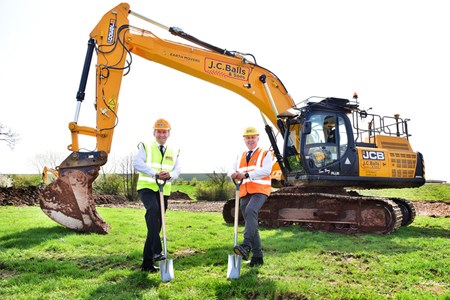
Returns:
(41, 260)
(429, 191)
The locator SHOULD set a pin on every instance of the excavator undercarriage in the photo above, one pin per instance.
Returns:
(335, 211)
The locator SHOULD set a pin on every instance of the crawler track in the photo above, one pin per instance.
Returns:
(339, 211)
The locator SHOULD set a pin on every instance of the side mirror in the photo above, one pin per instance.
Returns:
(306, 128)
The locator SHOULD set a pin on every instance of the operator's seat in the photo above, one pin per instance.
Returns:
(331, 138)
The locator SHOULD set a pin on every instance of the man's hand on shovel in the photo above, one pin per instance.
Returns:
(163, 175)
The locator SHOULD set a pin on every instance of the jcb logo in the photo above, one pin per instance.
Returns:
(372, 155)
(111, 30)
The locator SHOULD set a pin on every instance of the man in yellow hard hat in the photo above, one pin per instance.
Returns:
(155, 160)
(253, 167)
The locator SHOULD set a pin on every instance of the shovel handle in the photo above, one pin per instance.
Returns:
(237, 183)
(236, 210)
(160, 183)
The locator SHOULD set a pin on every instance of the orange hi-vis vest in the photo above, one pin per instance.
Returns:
(258, 186)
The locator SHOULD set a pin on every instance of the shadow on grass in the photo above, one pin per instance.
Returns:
(206, 264)
(120, 278)
(293, 239)
(133, 286)
(286, 240)
(247, 286)
(29, 238)
(414, 231)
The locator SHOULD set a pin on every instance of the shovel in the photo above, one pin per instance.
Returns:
(234, 260)
(165, 266)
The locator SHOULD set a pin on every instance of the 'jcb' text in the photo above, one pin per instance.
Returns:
(373, 155)
(111, 29)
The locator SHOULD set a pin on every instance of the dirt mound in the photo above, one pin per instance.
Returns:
(30, 196)
(432, 208)
(179, 196)
(178, 201)
(110, 199)
(19, 196)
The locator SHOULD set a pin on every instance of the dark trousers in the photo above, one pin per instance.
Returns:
(151, 200)
(250, 206)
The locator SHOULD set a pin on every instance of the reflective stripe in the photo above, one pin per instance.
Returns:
(262, 185)
(261, 181)
(159, 163)
(247, 169)
(260, 158)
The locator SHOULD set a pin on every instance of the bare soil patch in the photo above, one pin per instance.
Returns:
(181, 201)
(432, 208)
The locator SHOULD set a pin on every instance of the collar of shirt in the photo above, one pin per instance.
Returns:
(253, 150)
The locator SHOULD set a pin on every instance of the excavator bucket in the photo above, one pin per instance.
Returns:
(69, 200)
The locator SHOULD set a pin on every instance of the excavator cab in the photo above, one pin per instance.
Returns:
(317, 143)
(335, 150)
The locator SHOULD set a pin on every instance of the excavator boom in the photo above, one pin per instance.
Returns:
(69, 200)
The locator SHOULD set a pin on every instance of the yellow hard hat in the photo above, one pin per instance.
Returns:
(161, 124)
(250, 131)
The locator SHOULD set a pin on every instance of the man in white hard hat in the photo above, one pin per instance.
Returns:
(253, 167)
(155, 160)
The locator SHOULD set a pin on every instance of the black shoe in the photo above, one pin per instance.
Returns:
(158, 257)
(242, 250)
(150, 269)
(256, 261)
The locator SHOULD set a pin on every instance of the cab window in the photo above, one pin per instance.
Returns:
(321, 147)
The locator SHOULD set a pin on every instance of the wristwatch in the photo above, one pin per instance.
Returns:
(246, 175)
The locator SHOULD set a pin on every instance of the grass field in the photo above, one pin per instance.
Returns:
(41, 260)
(429, 191)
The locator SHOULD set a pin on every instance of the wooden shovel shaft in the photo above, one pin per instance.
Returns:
(236, 218)
(236, 211)
(163, 220)
(163, 212)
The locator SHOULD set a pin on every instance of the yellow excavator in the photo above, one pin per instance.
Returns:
(329, 144)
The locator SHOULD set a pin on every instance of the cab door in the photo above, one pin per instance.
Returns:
(327, 144)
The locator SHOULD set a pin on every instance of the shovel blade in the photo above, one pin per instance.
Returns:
(166, 270)
(234, 266)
